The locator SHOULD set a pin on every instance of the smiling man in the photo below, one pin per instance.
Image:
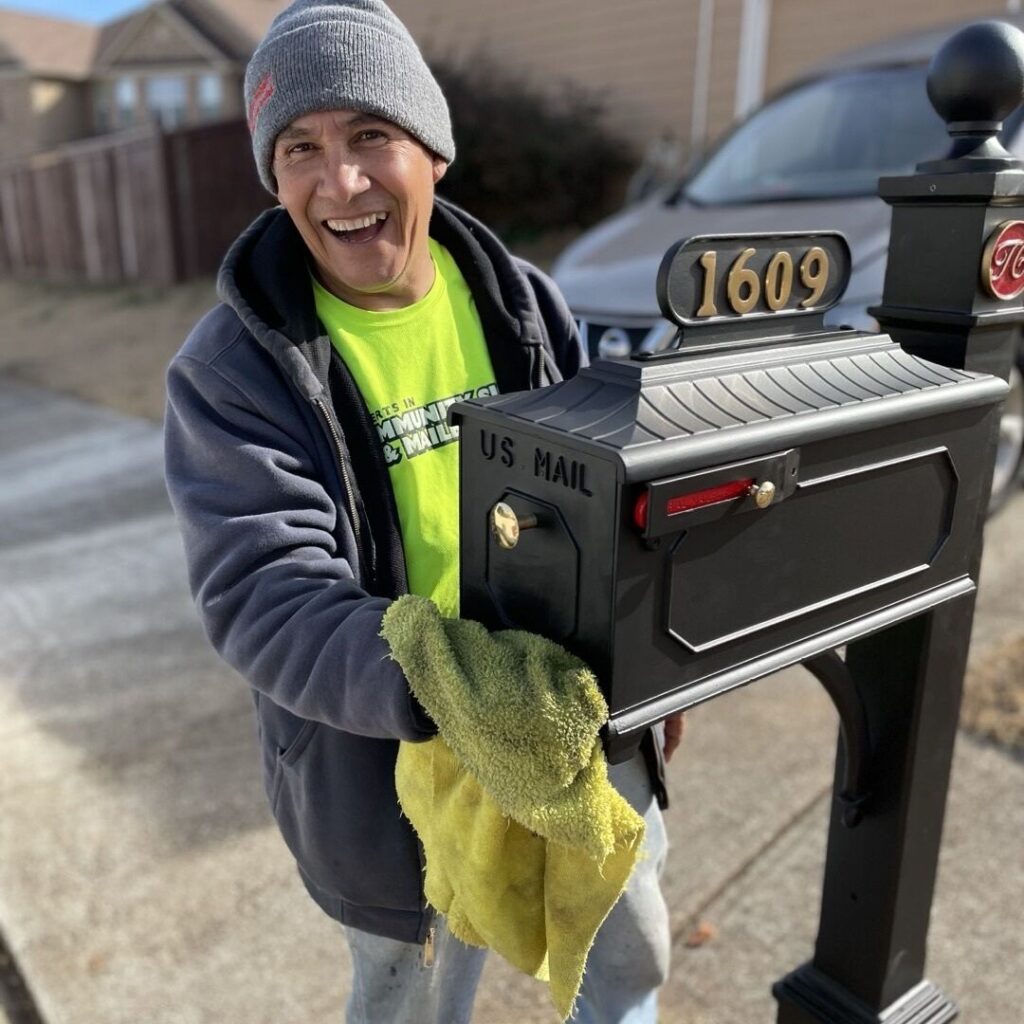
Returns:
(315, 480)
(367, 230)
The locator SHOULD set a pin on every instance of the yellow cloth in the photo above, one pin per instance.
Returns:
(528, 846)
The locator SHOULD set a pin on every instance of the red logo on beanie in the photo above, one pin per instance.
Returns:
(260, 98)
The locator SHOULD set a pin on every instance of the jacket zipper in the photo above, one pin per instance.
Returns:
(339, 453)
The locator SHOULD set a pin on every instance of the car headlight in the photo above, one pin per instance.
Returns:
(614, 343)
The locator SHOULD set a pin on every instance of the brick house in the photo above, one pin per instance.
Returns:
(175, 62)
(44, 63)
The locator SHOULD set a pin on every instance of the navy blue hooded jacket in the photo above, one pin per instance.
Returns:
(294, 549)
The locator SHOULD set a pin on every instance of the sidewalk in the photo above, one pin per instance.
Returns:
(142, 882)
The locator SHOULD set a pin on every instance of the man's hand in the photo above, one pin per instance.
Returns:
(675, 726)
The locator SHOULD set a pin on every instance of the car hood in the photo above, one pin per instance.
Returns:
(611, 270)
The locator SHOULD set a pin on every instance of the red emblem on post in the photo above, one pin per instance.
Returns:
(1002, 265)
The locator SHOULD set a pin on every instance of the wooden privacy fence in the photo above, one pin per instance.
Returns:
(142, 206)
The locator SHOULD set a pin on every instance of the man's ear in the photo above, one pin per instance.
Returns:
(440, 166)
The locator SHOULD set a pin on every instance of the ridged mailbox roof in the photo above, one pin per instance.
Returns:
(671, 415)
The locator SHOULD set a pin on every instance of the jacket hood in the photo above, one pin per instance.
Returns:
(263, 273)
(265, 279)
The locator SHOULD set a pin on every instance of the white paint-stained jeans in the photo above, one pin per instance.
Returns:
(627, 964)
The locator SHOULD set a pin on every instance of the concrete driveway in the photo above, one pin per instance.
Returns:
(142, 881)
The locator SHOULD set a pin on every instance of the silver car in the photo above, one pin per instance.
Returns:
(808, 159)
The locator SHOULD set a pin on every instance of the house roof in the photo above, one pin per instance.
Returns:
(253, 17)
(233, 26)
(47, 46)
(109, 31)
(202, 16)
(70, 49)
(220, 27)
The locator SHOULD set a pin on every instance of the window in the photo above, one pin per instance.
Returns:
(167, 99)
(125, 98)
(101, 108)
(210, 96)
(832, 137)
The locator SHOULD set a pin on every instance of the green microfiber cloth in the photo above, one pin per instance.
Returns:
(528, 846)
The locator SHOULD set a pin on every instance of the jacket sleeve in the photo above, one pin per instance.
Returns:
(569, 351)
(276, 599)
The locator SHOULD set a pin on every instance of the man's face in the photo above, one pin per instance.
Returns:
(360, 191)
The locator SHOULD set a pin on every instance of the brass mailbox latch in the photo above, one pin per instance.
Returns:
(763, 494)
(506, 525)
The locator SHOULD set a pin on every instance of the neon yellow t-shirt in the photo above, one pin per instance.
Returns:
(411, 364)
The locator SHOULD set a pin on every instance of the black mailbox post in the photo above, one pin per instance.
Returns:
(769, 491)
(953, 295)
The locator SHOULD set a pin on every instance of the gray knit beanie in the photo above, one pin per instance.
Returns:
(341, 54)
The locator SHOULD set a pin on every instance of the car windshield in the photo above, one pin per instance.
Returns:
(832, 137)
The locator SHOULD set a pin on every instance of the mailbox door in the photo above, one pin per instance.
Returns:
(557, 579)
(876, 525)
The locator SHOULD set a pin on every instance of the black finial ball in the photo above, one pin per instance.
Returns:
(978, 75)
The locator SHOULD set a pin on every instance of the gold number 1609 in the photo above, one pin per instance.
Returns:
(743, 287)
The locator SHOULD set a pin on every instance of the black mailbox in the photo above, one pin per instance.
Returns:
(769, 491)
(689, 522)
